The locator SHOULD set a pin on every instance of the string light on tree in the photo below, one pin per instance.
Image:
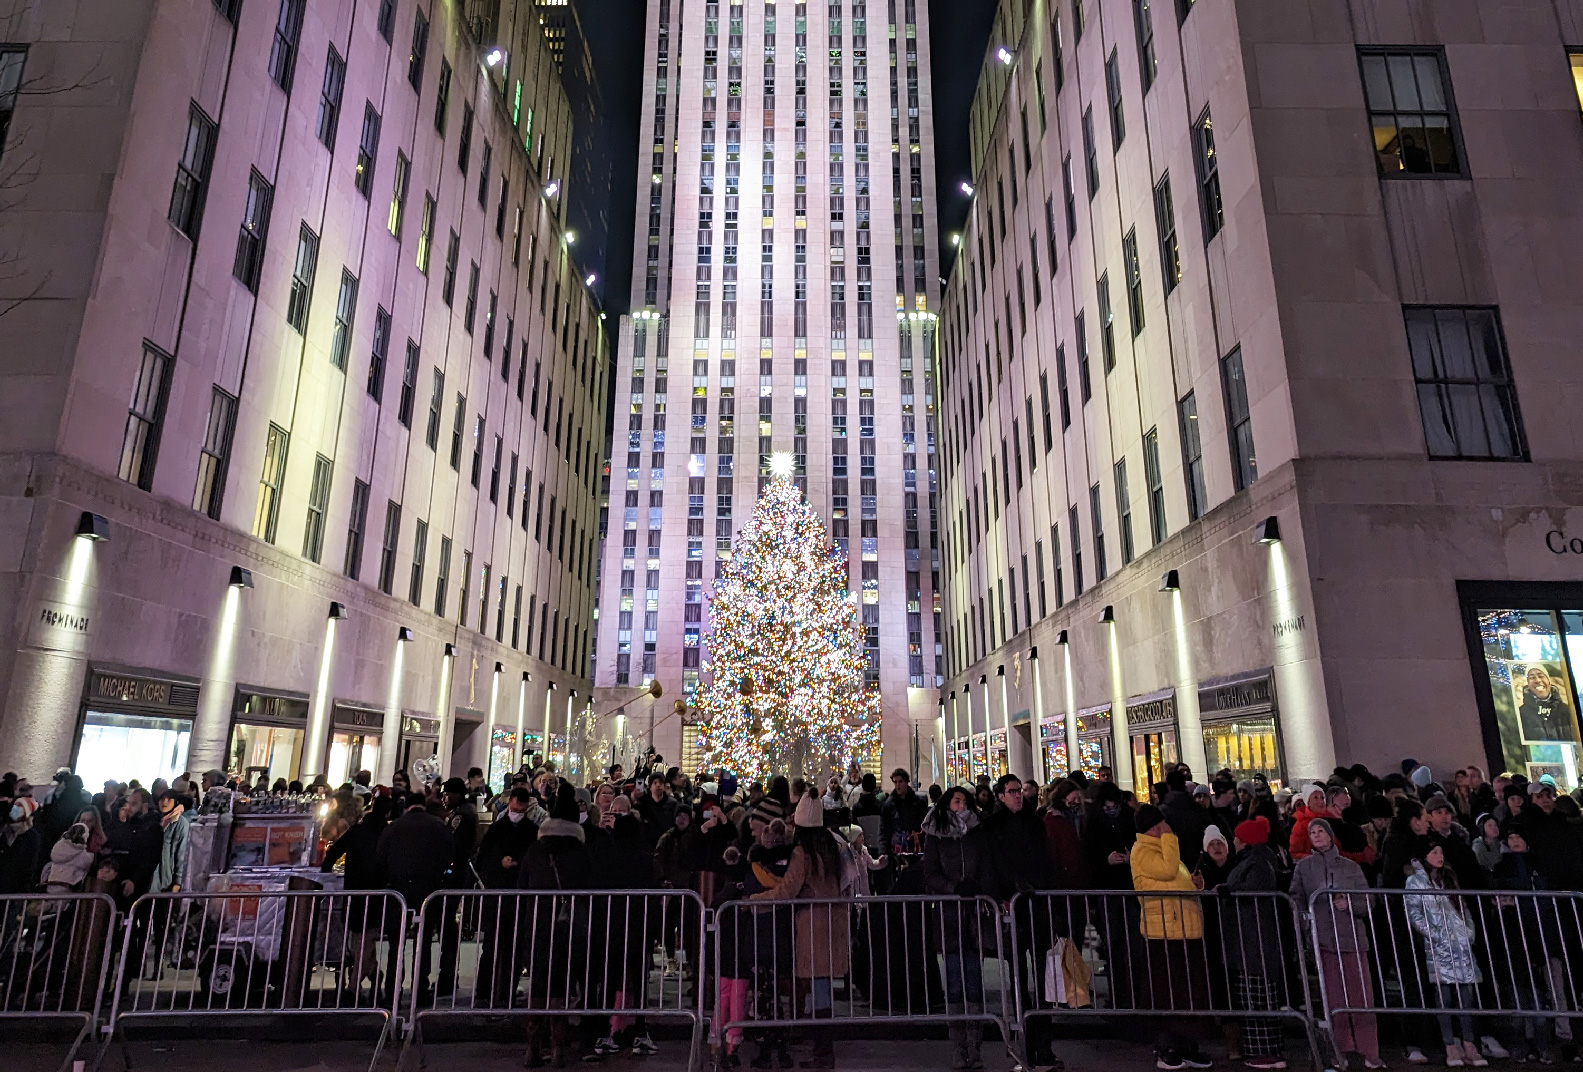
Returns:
(785, 690)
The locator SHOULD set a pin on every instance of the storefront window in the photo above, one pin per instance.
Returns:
(1529, 656)
(265, 751)
(502, 757)
(122, 747)
(1245, 747)
(350, 752)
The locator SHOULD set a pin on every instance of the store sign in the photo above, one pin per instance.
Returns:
(59, 626)
(1560, 544)
(358, 718)
(130, 690)
(415, 726)
(252, 705)
(1161, 710)
(1236, 696)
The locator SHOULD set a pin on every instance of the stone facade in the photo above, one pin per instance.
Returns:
(263, 225)
(1373, 175)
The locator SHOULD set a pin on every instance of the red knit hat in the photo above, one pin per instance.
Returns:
(1254, 831)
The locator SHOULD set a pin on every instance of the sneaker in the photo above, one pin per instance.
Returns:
(1169, 1061)
(1266, 1061)
(1454, 1056)
(1415, 1056)
(1195, 1058)
(1491, 1047)
(592, 1058)
(644, 1046)
(606, 1047)
(1373, 1063)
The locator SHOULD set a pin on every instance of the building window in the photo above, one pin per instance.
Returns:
(442, 96)
(461, 596)
(1576, 56)
(1411, 113)
(1069, 191)
(484, 159)
(398, 194)
(1165, 224)
(192, 173)
(345, 308)
(420, 550)
(145, 418)
(255, 226)
(1044, 403)
(367, 150)
(458, 426)
(409, 385)
(1074, 533)
(453, 250)
(470, 310)
(464, 141)
(425, 234)
(1465, 390)
(1079, 22)
(283, 54)
(12, 59)
(431, 435)
(387, 547)
(1183, 9)
(494, 470)
(1062, 390)
(215, 457)
(442, 577)
(330, 97)
(1192, 456)
(378, 353)
(1208, 167)
(1090, 153)
(266, 511)
(476, 470)
(420, 49)
(1147, 66)
(1096, 519)
(386, 23)
(1156, 482)
(1124, 510)
(1244, 469)
(356, 526)
(1129, 260)
(1107, 324)
(302, 278)
(1085, 383)
(318, 502)
(1118, 118)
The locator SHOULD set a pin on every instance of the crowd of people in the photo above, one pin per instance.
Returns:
(781, 839)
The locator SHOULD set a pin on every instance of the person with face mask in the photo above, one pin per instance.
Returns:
(1063, 835)
(19, 843)
(133, 840)
(506, 842)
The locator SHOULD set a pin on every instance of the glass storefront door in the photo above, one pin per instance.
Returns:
(269, 751)
(1531, 658)
(1151, 753)
(502, 757)
(122, 746)
(352, 751)
(1245, 747)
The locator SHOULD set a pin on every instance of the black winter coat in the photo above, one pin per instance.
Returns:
(1022, 852)
(1102, 836)
(958, 858)
(415, 851)
(504, 839)
(900, 816)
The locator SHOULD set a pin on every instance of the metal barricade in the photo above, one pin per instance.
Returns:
(1457, 955)
(549, 956)
(1169, 957)
(269, 953)
(54, 958)
(822, 965)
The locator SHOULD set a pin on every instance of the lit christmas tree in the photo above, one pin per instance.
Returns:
(785, 691)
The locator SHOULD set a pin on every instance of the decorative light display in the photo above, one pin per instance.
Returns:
(784, 690)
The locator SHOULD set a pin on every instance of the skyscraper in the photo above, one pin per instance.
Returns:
(799, 127)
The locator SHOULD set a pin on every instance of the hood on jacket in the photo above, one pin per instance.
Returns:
(945, 823)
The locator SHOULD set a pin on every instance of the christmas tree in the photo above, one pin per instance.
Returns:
(785, 691)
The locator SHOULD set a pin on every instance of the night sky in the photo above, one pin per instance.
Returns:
(959, 33)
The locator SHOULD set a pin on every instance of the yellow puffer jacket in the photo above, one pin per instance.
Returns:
(1157, 865)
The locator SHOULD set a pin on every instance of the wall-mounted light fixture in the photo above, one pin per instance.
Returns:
(966, 188)
(1003, 54)
(241, 577)
(403, 633)
(93, 526)
(450, 651)
(1108, 615)
(495, 58)
(1061, 638)
(1268, 530)
(337, 611)
(1171, 582)
(552, 188)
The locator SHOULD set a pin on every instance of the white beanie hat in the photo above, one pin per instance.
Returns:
(809, 813)
(1213, 834)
